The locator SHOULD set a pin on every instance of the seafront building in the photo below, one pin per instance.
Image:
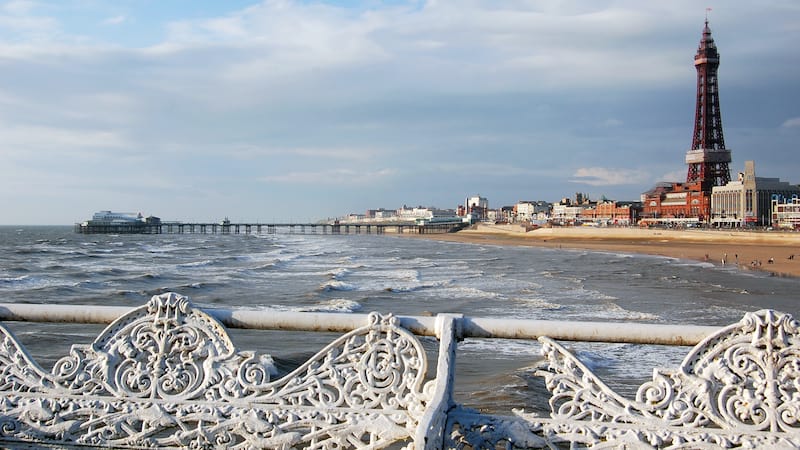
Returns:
(530, 211)
(612, 213)
(748, 200)
(786, 213)
(476, 209)
(708, 157)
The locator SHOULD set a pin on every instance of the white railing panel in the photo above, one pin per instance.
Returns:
(167, 375)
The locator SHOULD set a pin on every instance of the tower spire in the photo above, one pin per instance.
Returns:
(708, 158)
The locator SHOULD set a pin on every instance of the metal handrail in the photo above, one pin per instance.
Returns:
(468, 327)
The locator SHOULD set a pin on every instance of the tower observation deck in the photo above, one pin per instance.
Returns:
(708, 158)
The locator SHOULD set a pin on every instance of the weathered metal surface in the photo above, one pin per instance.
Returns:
(739, 388)
(475, 327)
(167, 375)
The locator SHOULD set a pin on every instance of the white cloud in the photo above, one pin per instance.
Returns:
(116, 20)
(794, 122)
(18, 7)
(600, 176)
(678, 176)
(57, 140)
(250, 152)
(338, 177)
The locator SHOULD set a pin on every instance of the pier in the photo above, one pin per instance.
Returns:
(268, 228)
(167, 375)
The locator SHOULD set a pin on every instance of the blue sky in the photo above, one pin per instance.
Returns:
(301, 110)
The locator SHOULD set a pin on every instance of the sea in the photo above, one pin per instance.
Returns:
(388, 274)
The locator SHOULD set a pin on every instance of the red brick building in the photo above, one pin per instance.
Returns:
(612, 213)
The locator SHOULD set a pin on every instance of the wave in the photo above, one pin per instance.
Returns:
(9, 281)
(518, 348)
(595, 361)
(147, 276)
(539, 303)
(336, 285)
(339, 305)
(203, 263)
(614, 311)
(338, 272)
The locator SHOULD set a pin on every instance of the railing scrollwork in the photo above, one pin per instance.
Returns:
(167, 375)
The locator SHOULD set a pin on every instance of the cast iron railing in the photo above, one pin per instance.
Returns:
(167, 375)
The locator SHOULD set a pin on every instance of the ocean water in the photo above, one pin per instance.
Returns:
(401, 275)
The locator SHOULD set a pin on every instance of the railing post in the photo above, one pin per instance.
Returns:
(430, 433)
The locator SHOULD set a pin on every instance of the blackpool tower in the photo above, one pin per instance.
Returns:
(708, 158)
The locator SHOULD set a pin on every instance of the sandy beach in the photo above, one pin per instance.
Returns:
(775, 252)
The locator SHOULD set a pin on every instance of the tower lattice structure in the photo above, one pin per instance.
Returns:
(708, 158)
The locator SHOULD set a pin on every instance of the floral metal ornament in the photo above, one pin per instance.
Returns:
(167, 375)
(739, 388)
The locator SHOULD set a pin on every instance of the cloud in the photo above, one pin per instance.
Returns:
(678, 176)
(116, 20)
(612, 123)
(600, 176)
(337, 177)
(349, 154)
(428, 100)
(794, 122)
(41, 140)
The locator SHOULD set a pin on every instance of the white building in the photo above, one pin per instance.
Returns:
(748, 200)
(563, 213)
(419, 212)
(526, 211)
(476, 202)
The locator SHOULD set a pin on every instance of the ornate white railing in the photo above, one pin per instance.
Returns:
(167, 375)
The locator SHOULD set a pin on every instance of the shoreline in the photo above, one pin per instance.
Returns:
(775, 253)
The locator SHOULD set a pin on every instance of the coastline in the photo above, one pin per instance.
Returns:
(777, 253)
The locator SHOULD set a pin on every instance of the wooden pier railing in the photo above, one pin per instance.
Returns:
(167, 375)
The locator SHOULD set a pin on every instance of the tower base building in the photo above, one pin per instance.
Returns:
(748, 201)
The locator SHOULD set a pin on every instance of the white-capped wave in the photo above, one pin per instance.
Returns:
(10, 281)
(160, 248)
(516, 348)
(336, 285)
(539, 303)
(205, 262)
(338, 273)
(612, 310)
(339, 305)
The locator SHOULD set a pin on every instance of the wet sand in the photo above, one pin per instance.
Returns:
(775, 252)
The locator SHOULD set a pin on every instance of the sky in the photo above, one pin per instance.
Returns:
(288, 110)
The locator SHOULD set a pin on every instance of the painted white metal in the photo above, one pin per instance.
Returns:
(740, 387)
(423, 326)
(167, 375)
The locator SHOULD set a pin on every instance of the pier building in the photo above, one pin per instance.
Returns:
(708, 159)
